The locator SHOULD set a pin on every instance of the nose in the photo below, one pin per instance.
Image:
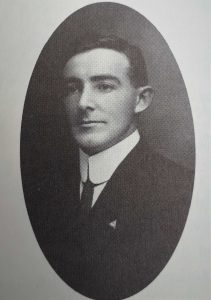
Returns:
(86, 99)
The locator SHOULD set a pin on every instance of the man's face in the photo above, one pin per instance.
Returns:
(100, 100)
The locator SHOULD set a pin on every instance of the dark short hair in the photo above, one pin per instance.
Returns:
(137, 73)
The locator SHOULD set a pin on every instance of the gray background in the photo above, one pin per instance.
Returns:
(25, 27)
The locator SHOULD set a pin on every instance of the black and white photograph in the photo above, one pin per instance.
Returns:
(108, 148)
(106, 208)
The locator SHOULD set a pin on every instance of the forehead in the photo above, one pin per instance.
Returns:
(97, 61)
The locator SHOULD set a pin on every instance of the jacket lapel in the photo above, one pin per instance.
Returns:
(121, 203)
(120, 192)
(119, 207)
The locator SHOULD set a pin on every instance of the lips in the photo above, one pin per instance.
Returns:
(88, 122)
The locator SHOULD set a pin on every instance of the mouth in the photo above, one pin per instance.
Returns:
(90, 122)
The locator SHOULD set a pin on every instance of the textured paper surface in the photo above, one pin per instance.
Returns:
(25, 28)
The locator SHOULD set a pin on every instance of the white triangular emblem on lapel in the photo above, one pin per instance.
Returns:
(113, 224)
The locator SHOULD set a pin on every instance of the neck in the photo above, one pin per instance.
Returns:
(94, 151)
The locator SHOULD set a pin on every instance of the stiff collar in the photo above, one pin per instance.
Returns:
(102, 165)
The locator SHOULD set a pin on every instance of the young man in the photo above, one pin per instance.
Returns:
(117, 212)
(104, 92)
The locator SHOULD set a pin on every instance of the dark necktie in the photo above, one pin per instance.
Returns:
(87, 196)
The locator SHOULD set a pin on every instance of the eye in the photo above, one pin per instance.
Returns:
(105, 87)
(73, 88)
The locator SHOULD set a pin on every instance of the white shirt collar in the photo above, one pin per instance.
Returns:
(102, 165)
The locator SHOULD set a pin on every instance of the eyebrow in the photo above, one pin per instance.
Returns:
(72, 79)
(105, 77)
(95, 78)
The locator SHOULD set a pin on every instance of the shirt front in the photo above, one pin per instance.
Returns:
(102, 165)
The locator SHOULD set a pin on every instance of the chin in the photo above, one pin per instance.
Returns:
(93, 143)
(88, 146)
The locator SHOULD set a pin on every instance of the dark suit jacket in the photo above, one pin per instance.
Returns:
(148, 196)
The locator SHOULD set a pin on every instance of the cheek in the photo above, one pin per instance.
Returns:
(121, 109)
(70, 111)
(70, 105)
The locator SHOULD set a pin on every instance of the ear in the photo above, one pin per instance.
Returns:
(144, 98)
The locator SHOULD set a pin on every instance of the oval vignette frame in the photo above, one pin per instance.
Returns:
(48, 152)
